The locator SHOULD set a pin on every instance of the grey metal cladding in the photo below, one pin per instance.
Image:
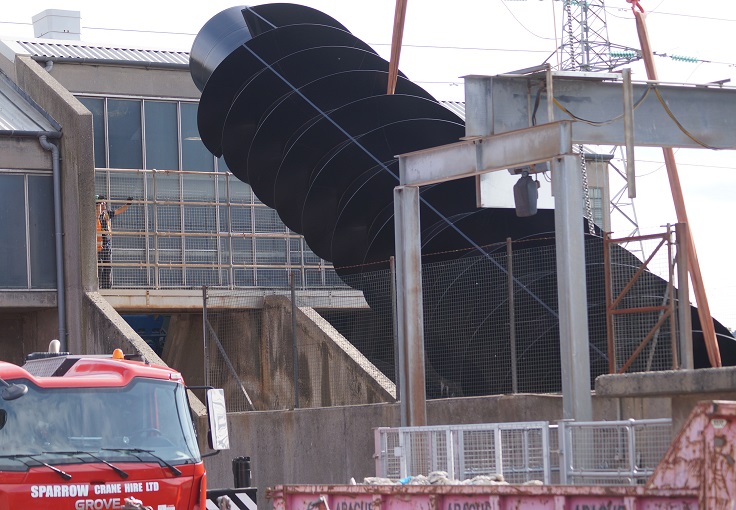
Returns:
(19, 114)
(55, 50)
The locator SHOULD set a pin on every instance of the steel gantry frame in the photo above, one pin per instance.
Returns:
(499, 111)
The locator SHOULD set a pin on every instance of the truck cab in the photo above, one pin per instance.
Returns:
(86, 432)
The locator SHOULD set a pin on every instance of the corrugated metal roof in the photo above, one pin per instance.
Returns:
(56, 50)
(19, 114)
(457, 107)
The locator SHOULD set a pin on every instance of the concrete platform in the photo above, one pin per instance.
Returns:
(685, 388)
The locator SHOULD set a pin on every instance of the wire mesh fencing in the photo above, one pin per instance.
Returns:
(518, 451)
(574, 453)
(491, 326)
(642, 303)
(232, 332)
(253, 337)
(184, 229)
(612, 453)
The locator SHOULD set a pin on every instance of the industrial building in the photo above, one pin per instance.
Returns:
(83, 123)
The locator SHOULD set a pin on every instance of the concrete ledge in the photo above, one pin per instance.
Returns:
(28, 299)
(184, 300)
(668, 383)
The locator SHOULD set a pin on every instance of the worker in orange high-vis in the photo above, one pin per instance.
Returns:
(104, 239)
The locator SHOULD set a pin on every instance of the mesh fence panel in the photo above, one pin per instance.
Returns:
(491, 326)
(524, 452)
(427, 452)
(232, 327)
(369, 328)
(478, 454)
(518, 451)
(644, 324)
(593, 453)
(185, 229)
(615, 453)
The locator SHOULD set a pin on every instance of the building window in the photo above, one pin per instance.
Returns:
(27, 230)
(194, 155)
(596, 204)
(41, 243)
(97, 107)
(191, 222)
(125, 140)
(162, 143)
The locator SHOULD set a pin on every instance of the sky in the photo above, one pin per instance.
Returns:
(444, 41)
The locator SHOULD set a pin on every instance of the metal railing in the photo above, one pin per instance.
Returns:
(518, 451)
(573, 453)
(612, 453)
(185, 229)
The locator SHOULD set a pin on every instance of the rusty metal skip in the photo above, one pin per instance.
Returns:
(697, 472)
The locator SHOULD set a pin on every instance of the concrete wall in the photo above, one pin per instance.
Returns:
(331, 445)
(24, 332)
(331, 371)
(77, 182)
(106, 331)
(681, 388)
(24, 154)
(122, 80)
(28, 319)
(328, 445)
(183, 349)
(259, 344)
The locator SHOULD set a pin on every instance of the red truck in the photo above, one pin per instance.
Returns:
(94, 433)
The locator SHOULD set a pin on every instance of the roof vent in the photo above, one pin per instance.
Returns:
(57, 24)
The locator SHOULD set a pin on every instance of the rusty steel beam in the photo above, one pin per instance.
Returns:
(398, 35)
(644, 342)
(706, 322)
(640, 309)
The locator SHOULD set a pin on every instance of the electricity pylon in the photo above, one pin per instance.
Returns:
(586, 47)
(585, 44)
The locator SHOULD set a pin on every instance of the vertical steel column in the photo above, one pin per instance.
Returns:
(453, 445)
(685, 325)
(395, 327)
(498, 449)
(512, 316)
(572, 300)
(204, 337)
(565, 455)
(409, 301)
(156, 261)
(380, 449)
(629, 132)
(147, 221)
(671, 305)
(295, 350)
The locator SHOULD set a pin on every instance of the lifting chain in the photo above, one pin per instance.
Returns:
(573, 63)
(586, 192)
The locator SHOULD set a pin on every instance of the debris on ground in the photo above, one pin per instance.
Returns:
(442, 478)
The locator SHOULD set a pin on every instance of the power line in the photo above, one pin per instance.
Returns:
(653, 12)
(140, 31)
(464, 48)
(523, 26)
(682, 58)
(419, 46)
(130, 30)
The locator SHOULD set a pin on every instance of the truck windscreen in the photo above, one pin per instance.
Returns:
(146, 421)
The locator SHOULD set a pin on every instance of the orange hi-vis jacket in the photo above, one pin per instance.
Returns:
(101, 232)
